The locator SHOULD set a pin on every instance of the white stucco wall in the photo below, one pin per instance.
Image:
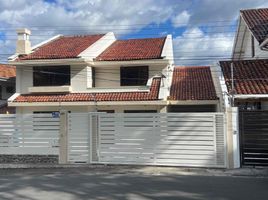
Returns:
(83, 109)
(24, 78)
(109, 77)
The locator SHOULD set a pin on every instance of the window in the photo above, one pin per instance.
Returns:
(106, 111)
(0, 92)
(10, 89)
(133, 76)
(51, 75)
(249, 105)
(140, 111)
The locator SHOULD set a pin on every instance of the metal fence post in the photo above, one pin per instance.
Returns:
(63, 138)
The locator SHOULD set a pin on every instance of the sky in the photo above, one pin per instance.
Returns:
(202, 30)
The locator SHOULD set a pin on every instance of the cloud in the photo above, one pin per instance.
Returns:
(194, 47)
(181, 19)
(206, 11)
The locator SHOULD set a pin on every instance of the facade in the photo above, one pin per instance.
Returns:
(245, 79)
(7, 87)
(92, 73)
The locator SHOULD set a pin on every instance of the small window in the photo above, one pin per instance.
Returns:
(10, 89)
(106, 111)
(134, 76)
(140, 111)
(51, 75)
(249, 105)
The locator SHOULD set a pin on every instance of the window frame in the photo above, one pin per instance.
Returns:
(49, 82)
(140, 81)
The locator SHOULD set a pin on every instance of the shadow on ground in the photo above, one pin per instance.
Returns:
(76, 184)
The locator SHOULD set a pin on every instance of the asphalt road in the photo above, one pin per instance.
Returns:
(76, 184)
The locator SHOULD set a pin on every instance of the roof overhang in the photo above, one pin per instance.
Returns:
(87, 103)
(71, 61)
(251, 96)
(192, 102)
(129, 62)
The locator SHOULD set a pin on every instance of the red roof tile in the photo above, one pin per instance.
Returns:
(115, 96)
(192, 83)
(7, 71)
(133, 49)
(63, 47)
(257, 21)
(250, 76)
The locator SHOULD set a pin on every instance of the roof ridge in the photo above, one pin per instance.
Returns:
(249, 9)
(151, 38)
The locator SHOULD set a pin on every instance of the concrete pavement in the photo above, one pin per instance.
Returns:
(120, 183)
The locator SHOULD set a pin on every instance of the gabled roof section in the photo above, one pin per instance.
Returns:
(257, 22)
(62, 48)
(7, 71)
(133, 49)
(250, 76)
(192, 83)
(83, 97)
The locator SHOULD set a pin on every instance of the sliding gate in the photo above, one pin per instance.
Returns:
(254, 137)
(175, 139)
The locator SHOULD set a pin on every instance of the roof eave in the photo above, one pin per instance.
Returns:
(130, 62)
(48, 61)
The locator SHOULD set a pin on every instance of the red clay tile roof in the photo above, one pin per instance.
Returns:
(63, 47)
(257, 21)
(133, 49)
(250, 76)
(7, 71)
(115, 96)
(192, 83)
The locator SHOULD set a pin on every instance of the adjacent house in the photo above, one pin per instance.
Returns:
(92, 73)
(7, 87)
(249, 83)
(244, 82)
(251, 41)
(245, 77)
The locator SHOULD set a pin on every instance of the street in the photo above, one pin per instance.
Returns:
(108, 183)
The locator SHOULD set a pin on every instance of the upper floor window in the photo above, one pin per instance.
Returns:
(134, 76)
(51, 75)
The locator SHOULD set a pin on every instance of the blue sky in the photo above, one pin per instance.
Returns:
(201, 29)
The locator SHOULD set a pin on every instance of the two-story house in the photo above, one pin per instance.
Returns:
(92, 73)
(7, 87)
(245, 77)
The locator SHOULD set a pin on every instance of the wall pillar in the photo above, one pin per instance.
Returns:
(63, 137)
(233, 151)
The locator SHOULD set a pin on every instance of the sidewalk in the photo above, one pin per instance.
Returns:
(143, 170)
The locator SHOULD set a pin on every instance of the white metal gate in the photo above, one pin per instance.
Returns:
(34, 134)
(177, 139)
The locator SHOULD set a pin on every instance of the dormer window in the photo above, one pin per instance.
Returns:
(134, 76)
(51, 76)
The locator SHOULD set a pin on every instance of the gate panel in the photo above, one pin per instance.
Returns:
(254, 137)
(78, 138)
(178, 139)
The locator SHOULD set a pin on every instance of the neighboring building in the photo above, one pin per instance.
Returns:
(250, 83)
(248, 88)
(251, 41)
(92, 73)
(193, 90)
(7, 87)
